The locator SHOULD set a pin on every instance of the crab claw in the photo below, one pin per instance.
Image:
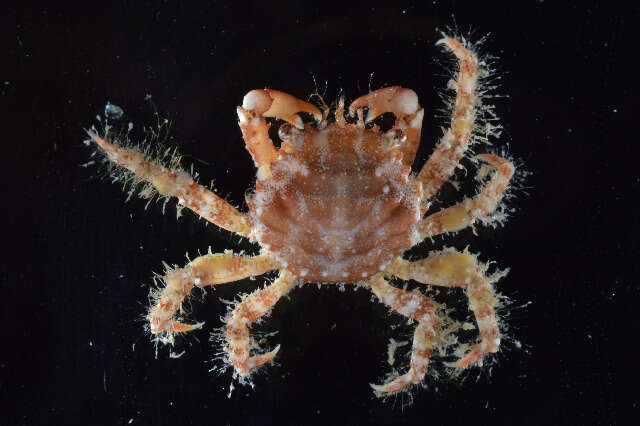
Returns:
(277, 104)
(401, 102)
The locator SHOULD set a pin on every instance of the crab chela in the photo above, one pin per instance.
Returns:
(336, 203)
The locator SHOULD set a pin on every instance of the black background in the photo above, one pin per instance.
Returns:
(77, 261)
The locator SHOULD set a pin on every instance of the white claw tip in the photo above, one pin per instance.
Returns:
(406, 100)
(257, 100)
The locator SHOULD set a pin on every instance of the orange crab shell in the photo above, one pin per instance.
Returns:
(337, 205)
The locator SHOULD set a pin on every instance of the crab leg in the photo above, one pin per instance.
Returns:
(203, 271)
(451, 268)
(442, 163)
(420, 309)
(403, 103)
(253, 307)
(261, 103)
(179, 184)
(463, 214)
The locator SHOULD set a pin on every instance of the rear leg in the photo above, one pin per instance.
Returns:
(420, 309)
(451, 268)
(249, 310)
(206, 270)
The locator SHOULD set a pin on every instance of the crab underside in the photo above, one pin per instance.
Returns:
(337, 203)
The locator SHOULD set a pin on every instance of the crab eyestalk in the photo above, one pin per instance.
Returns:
(292, 138)
(339, 113)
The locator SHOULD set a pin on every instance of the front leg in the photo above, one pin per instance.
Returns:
(420, 309)
(451, 268)
(176, 183)
(442, 163)
(249, 310)
(203, 271)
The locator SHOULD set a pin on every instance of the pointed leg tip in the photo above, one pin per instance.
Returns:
(179, 327)
(258, 360)
(465, 361)
(474, 356)
(273, 353)
(377, 388)
(394, 385)
(95, 137)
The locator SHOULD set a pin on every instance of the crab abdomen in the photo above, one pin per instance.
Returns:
(338, 208)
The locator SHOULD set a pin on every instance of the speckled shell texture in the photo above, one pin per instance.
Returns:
(337, 207)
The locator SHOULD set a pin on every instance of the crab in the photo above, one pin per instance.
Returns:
(337, 203)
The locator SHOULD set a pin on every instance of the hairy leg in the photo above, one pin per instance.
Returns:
(403, 103)
(253, 307)
(451, 268)
(463, 214)
(177, 183)
(204, 271)
(442, 163)
(420, 309)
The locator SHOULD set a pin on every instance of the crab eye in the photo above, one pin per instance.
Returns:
(285, 132)
(392, 138)
(290, 135)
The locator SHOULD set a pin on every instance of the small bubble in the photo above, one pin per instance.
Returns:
(113, 112)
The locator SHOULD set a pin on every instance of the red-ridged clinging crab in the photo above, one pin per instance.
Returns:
(337, 203)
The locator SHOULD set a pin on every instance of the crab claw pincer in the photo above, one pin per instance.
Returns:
(401, 102)
(277, 104)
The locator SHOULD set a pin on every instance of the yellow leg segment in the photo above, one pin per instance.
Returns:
(204, 271)
(179, 184)
(442, 163)
(451, 268)
(464, 214)
(253, 307)
(420, 309)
